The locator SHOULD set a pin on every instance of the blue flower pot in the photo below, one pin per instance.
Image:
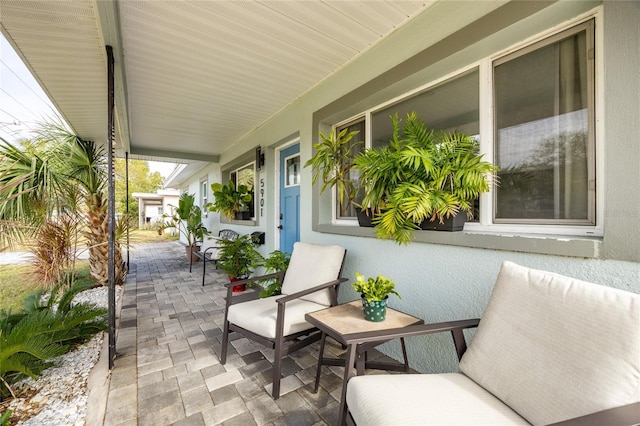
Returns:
(375, 311)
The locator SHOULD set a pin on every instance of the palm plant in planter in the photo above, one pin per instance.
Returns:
(375, 293)
(188, 219)
(422, 176)
(237, 258)
(333, 160)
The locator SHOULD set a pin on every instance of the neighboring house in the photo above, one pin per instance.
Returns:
(151, 206)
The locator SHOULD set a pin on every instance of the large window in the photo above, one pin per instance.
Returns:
(539, 106)
(544, 131)
(246, 175)
(451, 105)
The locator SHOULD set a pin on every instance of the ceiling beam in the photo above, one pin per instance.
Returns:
(177, 155)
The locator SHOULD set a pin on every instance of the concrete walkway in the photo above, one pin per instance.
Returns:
(168, 372)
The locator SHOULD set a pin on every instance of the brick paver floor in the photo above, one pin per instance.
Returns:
(167, 370)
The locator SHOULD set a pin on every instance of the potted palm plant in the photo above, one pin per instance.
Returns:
(333, 161)
(374, 293)
(230, 201)
(188, 219)
(421, 179)
(237, 258)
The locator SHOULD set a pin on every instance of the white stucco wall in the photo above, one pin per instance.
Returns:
(441, 281)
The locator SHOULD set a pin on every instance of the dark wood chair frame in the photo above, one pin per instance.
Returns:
(624, 415)
(283, 345)
(206, 255)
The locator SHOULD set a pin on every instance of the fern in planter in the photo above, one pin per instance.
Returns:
(277, 261)
(238, 257)
(422, 175)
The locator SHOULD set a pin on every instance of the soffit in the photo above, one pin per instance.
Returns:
(194, 76)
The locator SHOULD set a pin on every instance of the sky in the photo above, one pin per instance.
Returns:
(23, 103)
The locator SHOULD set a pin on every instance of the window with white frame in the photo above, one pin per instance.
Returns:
(204, 195)
(246, 175)
(543, 102)
(544, 132)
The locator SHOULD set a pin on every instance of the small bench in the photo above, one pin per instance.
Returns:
(209, 249)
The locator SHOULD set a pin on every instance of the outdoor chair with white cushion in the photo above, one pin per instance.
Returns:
(309, 284)
(548, 349)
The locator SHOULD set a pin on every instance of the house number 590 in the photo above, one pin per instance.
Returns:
(261, 197)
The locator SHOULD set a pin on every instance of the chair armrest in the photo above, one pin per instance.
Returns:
(624, 415)
(277, 275)
(231, 300)
(455, 327)
(210, 248)
(301, 293)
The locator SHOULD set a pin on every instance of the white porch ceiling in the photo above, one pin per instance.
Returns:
(192, 77)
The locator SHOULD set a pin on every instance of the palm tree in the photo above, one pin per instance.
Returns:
(61, 172)
(87, 169)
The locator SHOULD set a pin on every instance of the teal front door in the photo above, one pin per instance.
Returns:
(289, 197)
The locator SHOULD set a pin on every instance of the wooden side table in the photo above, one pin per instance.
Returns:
(339, 322)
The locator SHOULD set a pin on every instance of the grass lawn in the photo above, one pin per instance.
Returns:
(149, 236)
(19, 280)
(16, 282)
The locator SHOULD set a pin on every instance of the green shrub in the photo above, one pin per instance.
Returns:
(48, 327)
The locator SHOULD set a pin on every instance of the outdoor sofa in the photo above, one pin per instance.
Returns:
(548, 349)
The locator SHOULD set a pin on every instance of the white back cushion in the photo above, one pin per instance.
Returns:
(552, 347)
(312, 265)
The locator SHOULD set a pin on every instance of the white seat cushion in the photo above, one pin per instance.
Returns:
(312, 265)
(553, 347)
(259, 316)
(422, 399)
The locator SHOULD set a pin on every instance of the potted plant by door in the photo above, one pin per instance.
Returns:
(276, 261)
(374, 293)
(188, 219)
(231, 202)
(237, 258)
(422, 177)
(333, 161)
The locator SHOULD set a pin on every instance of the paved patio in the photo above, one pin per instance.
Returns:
(167, 370)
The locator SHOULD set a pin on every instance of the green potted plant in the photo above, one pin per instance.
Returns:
(333, 161)
(275, 262)
(230, 201)
(187, 218)
(422, 178)
(237, 258)
(374, 293)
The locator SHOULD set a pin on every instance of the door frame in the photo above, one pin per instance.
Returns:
(276, 204)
